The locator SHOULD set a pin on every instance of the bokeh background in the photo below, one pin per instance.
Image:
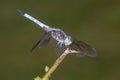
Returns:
(94, 21)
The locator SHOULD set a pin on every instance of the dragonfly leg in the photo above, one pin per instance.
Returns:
(62, 47)
(57, 49)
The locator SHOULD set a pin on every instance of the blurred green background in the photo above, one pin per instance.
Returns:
(94, 21)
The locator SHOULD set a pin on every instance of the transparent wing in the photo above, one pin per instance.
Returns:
(44, 40)
(33, 48)
(82, 49)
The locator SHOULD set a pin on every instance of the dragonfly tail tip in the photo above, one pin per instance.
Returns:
(21, 12)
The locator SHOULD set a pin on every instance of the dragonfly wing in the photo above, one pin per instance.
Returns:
(36, 44)
(83, 49)
(75, 49)
(44, 40)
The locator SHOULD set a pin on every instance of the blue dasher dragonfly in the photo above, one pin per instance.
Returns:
(64, 41)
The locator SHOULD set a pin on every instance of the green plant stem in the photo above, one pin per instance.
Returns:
(55, 65)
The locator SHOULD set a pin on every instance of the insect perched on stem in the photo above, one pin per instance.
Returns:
(64, 41)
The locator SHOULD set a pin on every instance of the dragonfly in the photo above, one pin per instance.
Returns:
(64, 41)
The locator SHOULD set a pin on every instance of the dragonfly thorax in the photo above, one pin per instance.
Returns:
(58, 35)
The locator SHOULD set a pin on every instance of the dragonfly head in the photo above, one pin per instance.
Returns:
(68, 40)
